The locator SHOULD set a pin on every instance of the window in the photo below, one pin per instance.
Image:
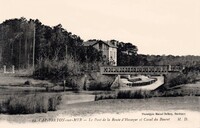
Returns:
(100, 45)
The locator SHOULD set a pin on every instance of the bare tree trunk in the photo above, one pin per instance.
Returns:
(25, 52)
(29, 46)
(12, 53)
(34, 47)
(28, 61)
(49, 50)
(19, 54)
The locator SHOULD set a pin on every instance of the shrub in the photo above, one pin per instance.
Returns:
(105, 96)
(139, 94)
(124, 94)
(76, 82)
(180, 92)
(96, 81)
(142, 94)
(54, 102)
(99, 86)
(127, 94)
(56, 69)
(29, 104)
(182, 78)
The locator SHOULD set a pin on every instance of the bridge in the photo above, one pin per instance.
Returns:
(146, 70)
(130, 81)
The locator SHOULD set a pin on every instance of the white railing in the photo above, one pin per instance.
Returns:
(138, 69)
(6, 71)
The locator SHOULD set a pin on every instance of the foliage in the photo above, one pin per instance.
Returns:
(142, 94)
(126, 54)
(17, 37)
(139, 94)
(56, 69)
(99, 86)
(183, 79)
(186, 61)
(96, 81)
(105, 96)
(29, 104)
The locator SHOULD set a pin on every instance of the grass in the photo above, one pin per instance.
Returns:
(181, 92)
(29, 104)
(143, 94)
(125, 94)
(20, 81)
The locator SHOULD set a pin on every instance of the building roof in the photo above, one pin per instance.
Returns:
(93, 42)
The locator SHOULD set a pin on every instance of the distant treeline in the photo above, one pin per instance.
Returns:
(20, 37)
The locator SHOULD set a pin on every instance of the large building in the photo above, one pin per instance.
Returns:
(108, 49)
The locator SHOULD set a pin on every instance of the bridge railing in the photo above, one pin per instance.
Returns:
(138, 69)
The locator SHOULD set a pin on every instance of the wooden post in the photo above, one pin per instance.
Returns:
(4, 69)
(85, 82)
(13, 69)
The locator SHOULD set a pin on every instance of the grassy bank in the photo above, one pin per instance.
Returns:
(125, 94)
(142, 94)
(29, 104)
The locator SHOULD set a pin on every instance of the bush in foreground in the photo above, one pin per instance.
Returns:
(105, 96)
(29, 104)
(126, 94)
(139, 94)
(99, 86)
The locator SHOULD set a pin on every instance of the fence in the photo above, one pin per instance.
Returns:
(9, 69)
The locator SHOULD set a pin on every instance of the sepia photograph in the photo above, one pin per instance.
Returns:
(100, 63)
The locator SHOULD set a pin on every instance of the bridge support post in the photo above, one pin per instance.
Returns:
(129, 76)
(119, 76)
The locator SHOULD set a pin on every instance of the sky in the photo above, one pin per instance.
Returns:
(158, 27)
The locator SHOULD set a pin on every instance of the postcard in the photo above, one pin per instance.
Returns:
(100, 63)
